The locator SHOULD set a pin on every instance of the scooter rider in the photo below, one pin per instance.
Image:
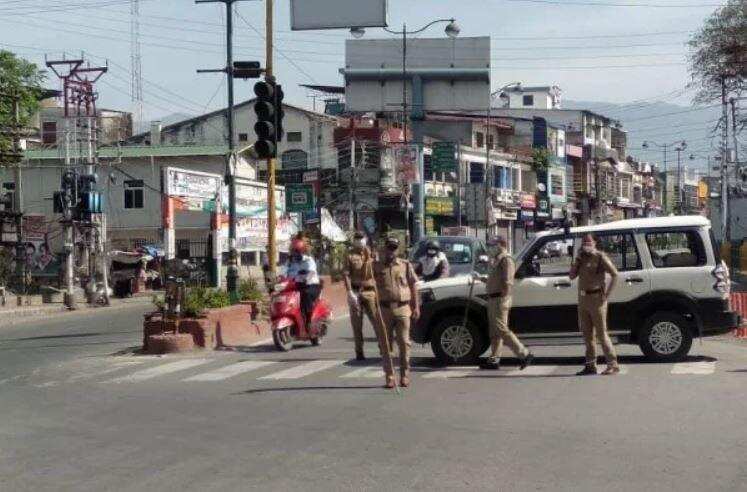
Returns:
(434, 264)
(302, 269)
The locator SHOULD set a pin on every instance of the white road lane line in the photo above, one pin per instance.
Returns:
(694, 368)
(163, 369)
(365, 372)
(118, 366)
(455, 372)
(303, 370)
(533, 371)
(260, 343)
(231, 370)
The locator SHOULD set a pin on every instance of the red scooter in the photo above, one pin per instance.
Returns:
(287, 320)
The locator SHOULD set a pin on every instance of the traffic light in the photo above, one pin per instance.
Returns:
(90, 202)
(269, 125)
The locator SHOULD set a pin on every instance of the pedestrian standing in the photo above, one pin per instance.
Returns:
(500, 281)
(590, 267)
(397, 286)
(363, 299)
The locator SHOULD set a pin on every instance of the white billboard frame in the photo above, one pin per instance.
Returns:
(309, 15)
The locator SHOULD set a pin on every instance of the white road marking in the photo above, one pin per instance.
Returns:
(160, 370)
(118, 366)
(449, 372)
(266, 341)
(365, 372)
(694, 368)
(304, 369)
(533, 371)
(230, 371)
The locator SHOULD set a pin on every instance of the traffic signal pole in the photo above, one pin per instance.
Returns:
(272, 253)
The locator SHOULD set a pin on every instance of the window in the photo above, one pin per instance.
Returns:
(427, 169)
(476, 172)
(294, 137)
(243, 137)
(528, 100)
(479, 139)
(9, 195)
(248, 258)
(552, 257)
(49, 133)
(294, 159)
(556, 184)
(133, 193)
(621, 250)
(491, 141)
(676, 249)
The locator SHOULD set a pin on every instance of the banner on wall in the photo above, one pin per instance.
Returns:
(39, 259)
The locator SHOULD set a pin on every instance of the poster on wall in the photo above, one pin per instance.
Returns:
(406, 164)
(39, 259)
(192, 184)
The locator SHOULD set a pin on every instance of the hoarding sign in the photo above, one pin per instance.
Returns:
(443, 159)
(406, 162)
(439, 205)
(299, 198)
(192, 184)
(337, 14)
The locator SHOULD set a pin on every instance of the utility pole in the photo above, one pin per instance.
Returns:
(272, 253)
(232, 274)
(733, 102)
(351, 187)
(725, 215)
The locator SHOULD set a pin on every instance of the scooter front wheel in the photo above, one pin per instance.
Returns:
(283, 339)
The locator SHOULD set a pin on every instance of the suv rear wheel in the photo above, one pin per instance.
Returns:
(455, 343)
(666, 336)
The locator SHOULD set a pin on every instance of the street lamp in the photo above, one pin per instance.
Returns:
(679, 149)
(647, 144)
(452, 30)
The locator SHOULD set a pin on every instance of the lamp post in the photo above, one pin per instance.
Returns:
(647, 144)
(452, 30)
(679, 149)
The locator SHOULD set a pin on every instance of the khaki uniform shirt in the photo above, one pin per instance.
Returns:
(591, 269)
(501, 275)
(394, 279)
(359, 268)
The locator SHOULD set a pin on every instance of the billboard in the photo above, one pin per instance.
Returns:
(455, 74)
(192, 184)
(337, 14)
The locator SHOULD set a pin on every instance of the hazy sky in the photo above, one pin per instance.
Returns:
(621, 53)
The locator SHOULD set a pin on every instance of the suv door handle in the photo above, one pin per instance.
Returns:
(562, 285)
(634, 280)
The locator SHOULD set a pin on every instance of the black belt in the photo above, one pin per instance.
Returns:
(363, 289)
(592, 291)
(494, 295)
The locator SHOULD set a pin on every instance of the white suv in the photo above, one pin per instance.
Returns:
(672, 287)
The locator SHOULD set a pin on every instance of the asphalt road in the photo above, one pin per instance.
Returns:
(79, 412)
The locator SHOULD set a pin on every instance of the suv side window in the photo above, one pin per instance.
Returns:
(677, 249)
(550, 258)
(621, 250)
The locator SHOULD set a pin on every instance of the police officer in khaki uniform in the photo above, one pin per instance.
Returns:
(396, 282)
(500, 281)
(361, 288)
(590, 267)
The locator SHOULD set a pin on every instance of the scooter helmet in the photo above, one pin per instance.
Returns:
(433, 244)
(298, 246)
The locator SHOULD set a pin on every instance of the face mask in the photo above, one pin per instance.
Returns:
(587, 249)
(359, 243)
(431, 252)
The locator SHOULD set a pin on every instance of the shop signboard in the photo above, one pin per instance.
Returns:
(192, 184)
(528, 201)
(299, 198)
(439, 205)
(443, 158)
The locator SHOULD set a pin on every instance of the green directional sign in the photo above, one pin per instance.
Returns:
(443, 158)
(299, 198)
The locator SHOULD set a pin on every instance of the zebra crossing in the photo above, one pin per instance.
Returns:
(196, 370)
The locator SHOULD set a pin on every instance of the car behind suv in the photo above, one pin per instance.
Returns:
(672, 287)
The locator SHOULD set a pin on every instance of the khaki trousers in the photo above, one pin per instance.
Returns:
(369, 306)
(498, 310)
(397, 322)
(592, 319)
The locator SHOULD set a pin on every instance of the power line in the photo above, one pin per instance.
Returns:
(607, 4)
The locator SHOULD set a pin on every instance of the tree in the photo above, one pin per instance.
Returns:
(21, 78)
(719, 51)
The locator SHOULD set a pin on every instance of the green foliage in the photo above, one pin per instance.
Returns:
(540, 160)
(21, 78)
(199, 299)
(717, 50)
(158, 302)
(249, 290)
(6, 266)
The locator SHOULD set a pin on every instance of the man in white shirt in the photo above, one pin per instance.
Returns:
(434, 265)
(302, 269)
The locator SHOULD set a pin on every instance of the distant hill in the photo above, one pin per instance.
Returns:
(663, 123)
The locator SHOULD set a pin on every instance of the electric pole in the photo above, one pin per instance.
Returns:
(272, 253)
(733, 102)
(725, 216)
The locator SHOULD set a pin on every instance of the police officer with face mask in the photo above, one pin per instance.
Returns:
(434, 264)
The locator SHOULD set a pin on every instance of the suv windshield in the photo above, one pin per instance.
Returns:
(457, 251)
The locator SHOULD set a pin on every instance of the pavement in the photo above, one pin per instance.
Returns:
(81, 411)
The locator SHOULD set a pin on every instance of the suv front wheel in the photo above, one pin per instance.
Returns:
(453, 342)
(666, 336)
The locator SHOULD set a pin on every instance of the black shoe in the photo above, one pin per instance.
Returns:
(587, 371)
(526, 361)
(490, 364)
(360, 356)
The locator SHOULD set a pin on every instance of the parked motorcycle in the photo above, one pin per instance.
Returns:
(287, 321)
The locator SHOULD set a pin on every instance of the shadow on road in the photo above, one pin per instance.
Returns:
(69, 335)
(308, 388)
(560, 361)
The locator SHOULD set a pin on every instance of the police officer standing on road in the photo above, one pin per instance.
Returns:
(361, 288)
(500, 281)
(396, 283)
(590, 267)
